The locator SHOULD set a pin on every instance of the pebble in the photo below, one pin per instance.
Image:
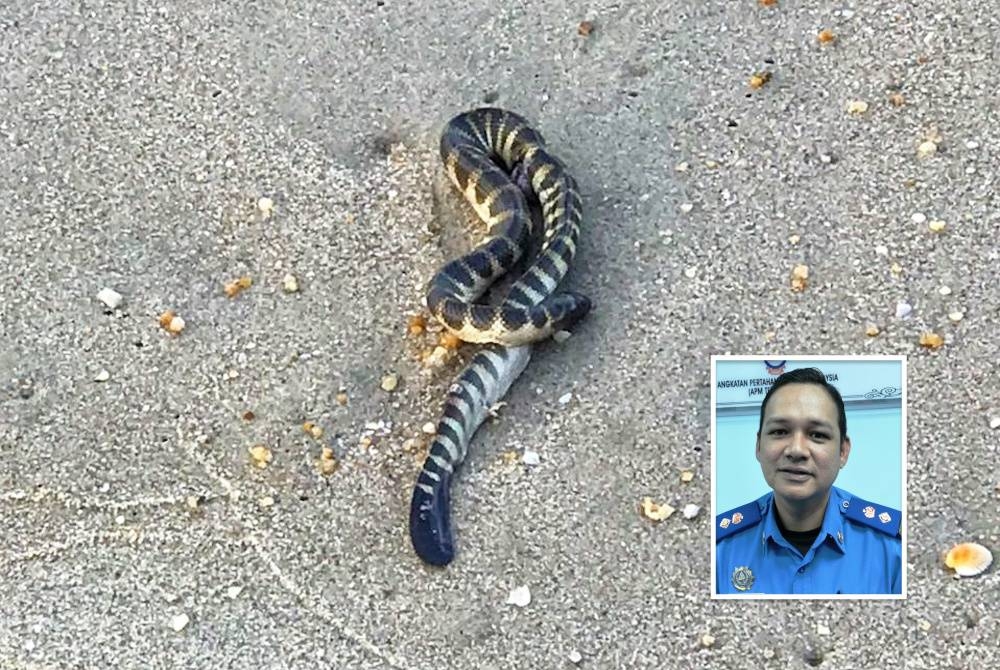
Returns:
(926, 149)
(531, 457)
(972, 144)
(111, 298)
(575, 657)
(686, 207)
(903, 309)
(812, 656)
(389, 382)
(919, 217)
(707, 640)
(260, 455)
(995, 422)
(956, 316)
(690, 511)
(944, 290)
(102, 376)
(691, 273)
(520, 597)
(266, 501)
(428, 428)
(265, 205)
(290, 284)
(822, 629)
(857, 107)
(882, 250)
(179, 622)
(561, 336)
(565, 398)
(234, 592)
(327, 464)
(936, 226)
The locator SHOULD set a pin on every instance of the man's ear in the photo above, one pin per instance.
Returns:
(756, 451)
(845, 451)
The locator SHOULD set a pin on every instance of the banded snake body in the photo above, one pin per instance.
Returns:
(493, 157)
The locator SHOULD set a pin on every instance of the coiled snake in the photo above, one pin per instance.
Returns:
(494, 157)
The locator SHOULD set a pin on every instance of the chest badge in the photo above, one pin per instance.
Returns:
(742, 578)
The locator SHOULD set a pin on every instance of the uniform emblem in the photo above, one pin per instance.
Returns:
(724, 523)
(737, 517)
(742, 578)
(884, 517)
(869, 512)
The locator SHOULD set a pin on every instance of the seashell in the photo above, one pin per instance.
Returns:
(968, 559)
(520, 597)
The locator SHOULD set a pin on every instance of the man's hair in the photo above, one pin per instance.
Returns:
(808, 376)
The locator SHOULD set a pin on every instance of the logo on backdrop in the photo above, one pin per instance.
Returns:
(774, 368)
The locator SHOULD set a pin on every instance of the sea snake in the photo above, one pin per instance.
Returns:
(494, 158)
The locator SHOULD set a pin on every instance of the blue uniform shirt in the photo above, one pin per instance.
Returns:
(858, 550)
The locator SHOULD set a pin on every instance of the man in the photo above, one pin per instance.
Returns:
(806, 536)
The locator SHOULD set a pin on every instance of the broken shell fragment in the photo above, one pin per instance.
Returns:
(389, 382)
(654, 511)
(857, 107)
(520, 596)
(111, 298)
(260, 456)
(931, 340)
(968, 559)
(327, 463)
(290, 284)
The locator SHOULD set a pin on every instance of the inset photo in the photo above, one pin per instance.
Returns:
(809, 477)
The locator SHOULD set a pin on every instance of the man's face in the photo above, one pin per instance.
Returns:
(799, 446)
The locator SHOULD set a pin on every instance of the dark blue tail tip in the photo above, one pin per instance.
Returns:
(431, 552)
(430, 528)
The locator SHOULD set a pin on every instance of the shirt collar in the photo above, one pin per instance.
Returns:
(832, 529)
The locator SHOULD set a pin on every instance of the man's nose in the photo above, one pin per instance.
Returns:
(797, 445)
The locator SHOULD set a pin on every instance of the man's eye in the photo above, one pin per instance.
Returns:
(821, 436)
(777, 432)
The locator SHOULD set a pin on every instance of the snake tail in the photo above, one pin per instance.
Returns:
(483, 382)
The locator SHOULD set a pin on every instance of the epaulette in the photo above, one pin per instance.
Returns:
(879, 517)
(735, 520)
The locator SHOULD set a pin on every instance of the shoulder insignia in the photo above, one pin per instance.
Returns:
(879, 517)
(737, 519)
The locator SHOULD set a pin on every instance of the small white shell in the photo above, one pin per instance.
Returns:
(520, 596)
(110, 297)
(179, 622)
(968, 559)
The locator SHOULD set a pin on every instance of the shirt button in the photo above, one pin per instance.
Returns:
(801, 570)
